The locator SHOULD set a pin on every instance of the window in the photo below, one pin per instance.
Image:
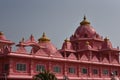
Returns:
(85, 35)
(84, 70)
(71, 70)
(115, 72)
(95, 71)
(6, 67)
(40, 67)
(21, 67)
(105, 71)
(57, 69)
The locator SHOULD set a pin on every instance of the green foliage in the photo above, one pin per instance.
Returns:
(45, 75)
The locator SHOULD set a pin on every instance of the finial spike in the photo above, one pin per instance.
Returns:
(84, 17)
(85, 22)
(44, 35)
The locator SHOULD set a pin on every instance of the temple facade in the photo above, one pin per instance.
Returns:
(86, 55)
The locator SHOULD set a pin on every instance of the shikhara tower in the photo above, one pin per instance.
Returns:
(85, 56)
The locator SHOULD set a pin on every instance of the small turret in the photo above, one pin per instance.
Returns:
(67, 45)
(32, 38)
(106, 43)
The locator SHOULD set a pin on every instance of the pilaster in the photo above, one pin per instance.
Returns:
(65, 69)
(50, 66)
(110, 58)
(89, 71)
(32, 67)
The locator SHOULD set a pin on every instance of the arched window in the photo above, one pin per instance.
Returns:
(57, 69)
(85, 35)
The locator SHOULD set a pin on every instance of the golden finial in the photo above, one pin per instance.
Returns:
(87, 43)
(84, 17)
(84, 22)
(67, 40)
(43, 38)
(1, 33)
(44, 35)
(106, 39)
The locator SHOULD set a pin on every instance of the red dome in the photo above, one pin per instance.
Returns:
(85, 30)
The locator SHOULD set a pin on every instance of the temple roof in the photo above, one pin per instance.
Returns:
(67, 46)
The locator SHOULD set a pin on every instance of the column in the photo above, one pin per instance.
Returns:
(90, 57)
(49, 67)
(89, 71)
(110, 57)
(32, 67)
(65, 68)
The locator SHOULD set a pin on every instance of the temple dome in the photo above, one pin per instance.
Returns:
(85, 30)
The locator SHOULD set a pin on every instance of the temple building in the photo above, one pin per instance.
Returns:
(86, 55)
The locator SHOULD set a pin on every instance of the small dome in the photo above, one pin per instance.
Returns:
(85, 22)
(67, 45)
(2, 36)
(43, 38)
(106, 44)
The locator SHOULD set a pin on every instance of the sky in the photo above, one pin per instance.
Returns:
(58, 18)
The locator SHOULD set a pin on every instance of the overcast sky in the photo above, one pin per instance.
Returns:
(58, 18)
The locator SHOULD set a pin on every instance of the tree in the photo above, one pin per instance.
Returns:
(114, 76)
(45, 75)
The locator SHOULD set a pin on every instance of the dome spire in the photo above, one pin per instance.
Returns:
(84, 17)
(84, 22)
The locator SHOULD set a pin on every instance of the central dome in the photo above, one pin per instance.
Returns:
(85, 30)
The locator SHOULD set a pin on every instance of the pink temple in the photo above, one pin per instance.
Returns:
(85, 56)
